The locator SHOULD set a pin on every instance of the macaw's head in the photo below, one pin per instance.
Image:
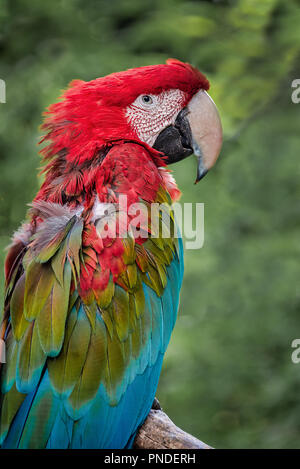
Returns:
(163, 107)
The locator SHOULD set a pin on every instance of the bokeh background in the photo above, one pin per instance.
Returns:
(228, 377)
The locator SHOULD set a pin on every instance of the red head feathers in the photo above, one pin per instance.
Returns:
(91, 115)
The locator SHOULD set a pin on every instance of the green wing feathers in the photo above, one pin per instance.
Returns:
(100, 338)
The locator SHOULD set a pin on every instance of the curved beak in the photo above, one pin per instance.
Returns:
(197, 130)
(206, 131)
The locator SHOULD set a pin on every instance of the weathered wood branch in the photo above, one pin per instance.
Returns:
(159, 432)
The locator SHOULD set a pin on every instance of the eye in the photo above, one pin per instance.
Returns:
(147, 99)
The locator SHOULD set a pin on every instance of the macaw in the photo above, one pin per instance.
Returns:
(89, 310)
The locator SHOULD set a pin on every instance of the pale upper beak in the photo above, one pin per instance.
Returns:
(197, 130)
(206, 131)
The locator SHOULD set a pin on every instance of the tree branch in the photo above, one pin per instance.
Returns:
(159, 432)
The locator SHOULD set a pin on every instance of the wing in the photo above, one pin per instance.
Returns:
(85, 342)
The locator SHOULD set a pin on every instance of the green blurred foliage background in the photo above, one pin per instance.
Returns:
(228, 377)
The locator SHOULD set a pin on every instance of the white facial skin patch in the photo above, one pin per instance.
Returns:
(149, 114)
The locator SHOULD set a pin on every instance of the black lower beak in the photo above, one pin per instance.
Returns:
(175, 141)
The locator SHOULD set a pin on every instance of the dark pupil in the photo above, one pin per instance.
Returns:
(146, 99)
